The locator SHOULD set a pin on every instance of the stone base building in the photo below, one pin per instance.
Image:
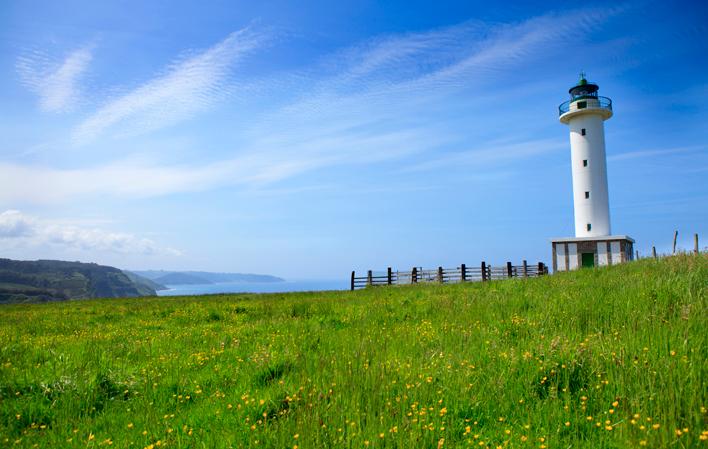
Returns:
(570, 253)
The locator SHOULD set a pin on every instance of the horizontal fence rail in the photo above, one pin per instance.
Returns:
(441, 275)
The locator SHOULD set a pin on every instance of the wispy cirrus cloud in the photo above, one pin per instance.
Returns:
(26, 230)
(383, 100)
(493, 153)
(504, 47)
(656, 152)
(408, 81)
(56, 83)
(139, 178)
(443, 60)
(187, 87)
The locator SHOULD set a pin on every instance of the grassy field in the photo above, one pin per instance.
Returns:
(605, 358)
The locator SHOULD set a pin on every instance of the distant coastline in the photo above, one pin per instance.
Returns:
(171, 278)
(57, 280)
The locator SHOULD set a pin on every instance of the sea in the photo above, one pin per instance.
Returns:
(255, 287)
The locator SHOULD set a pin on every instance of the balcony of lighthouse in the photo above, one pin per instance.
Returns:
(583, 104)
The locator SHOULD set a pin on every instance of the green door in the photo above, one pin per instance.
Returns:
(588, 260)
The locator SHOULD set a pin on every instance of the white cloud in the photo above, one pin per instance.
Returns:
(187, 87)
(56, 84)
(14, 225)
(24, 230)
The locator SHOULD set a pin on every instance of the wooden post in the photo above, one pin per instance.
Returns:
(484, 271)
(463, 273)
(695, 243)
(653, 252)
(390, 276)
(541, 269)
(353, 280)
(637, 258)
(675, 236)
(414, 275)
(369, 280)
(526, 269)
(440, 275)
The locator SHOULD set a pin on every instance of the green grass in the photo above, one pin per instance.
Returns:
(509, 363)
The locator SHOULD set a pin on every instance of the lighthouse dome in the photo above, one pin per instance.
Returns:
(583, 89)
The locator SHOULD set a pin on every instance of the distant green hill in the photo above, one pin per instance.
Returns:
(55, 280)
(181, 279)
(203, 277)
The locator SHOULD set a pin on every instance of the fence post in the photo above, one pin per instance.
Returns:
(484, 271)
(414, 275)
(526, 269)
(440, 275)
(675, 237)
(390, 276)
(653, 252)
(695, 243)
(637, 256)
(353, 280)
(540, 269)
(509, 269)
(463, 273)
(369, 280)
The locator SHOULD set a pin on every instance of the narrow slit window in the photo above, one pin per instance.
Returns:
(585, 162)
(582, 131)
(587, 195)
(589, 226)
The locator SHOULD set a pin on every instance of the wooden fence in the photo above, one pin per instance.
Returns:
(463, 273)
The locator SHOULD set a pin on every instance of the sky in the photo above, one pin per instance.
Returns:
(308, 139)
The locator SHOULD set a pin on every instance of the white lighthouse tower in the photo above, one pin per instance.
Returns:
(593, 244)
(585, 114)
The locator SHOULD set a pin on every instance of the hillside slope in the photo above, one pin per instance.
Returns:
(143, 281)
(55, 280)
(613, 357)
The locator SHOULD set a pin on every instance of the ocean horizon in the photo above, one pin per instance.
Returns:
(255, 287)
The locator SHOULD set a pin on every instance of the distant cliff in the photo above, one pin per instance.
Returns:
(55, 280)
(141, 280)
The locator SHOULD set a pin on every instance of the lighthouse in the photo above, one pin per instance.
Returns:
(593, 245)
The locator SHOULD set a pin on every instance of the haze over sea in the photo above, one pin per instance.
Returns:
(255, 287)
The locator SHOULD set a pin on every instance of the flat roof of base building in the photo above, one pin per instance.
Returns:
(603, 238)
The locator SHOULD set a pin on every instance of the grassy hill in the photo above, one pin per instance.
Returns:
(58, 280)
(605, 358)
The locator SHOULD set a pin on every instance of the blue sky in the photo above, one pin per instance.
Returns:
(307, 139)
